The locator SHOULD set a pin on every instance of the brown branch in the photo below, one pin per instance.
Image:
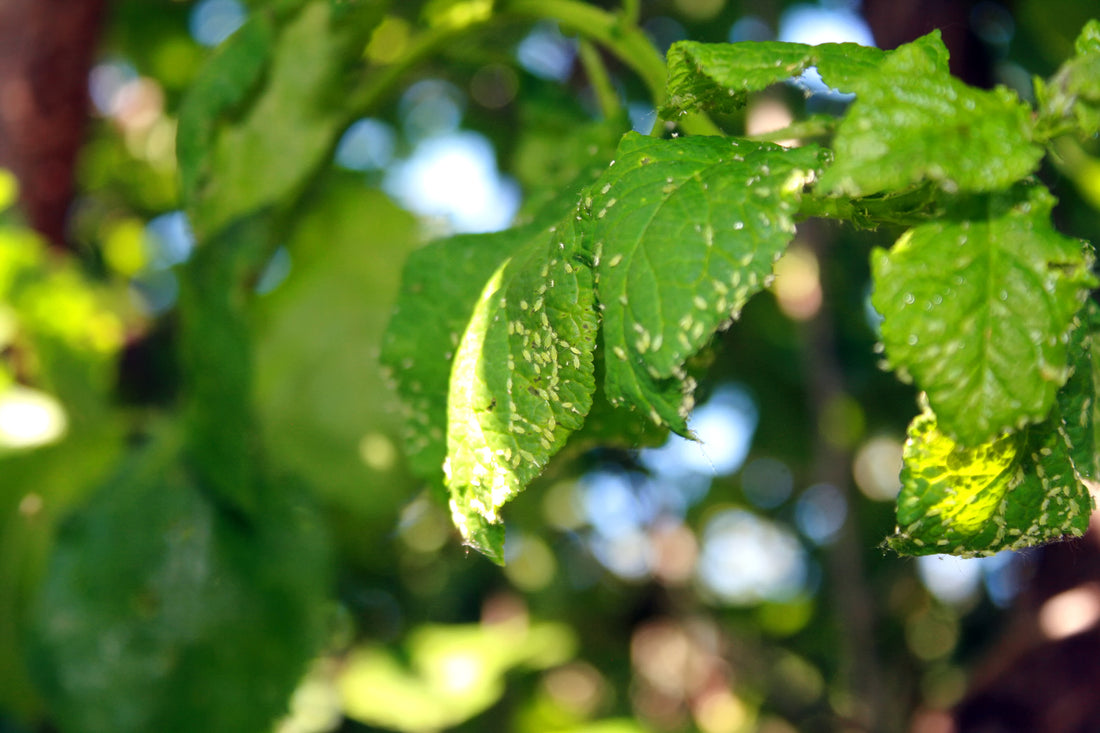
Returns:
(46, 50)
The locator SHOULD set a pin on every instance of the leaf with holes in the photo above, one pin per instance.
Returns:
(686, 231)
(967, 302)
(719, 76)
(522, 380)
(1016, 491)
(912, 121)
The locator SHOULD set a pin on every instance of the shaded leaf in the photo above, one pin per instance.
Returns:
(1019, 490)
(215, 351)
(522, 380)
(159, 612)
(687, 231)
(320, 393)
(912, 121)
(967, 303)
(719, 76)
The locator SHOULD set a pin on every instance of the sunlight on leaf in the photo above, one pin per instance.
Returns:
(1019, 490)
(522, 380)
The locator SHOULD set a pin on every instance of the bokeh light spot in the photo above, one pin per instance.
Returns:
(212, 21)
(951, 579)
(1070, 612)
(820, 512)
(766, 482)
(29, 418)
(455, 177)
(814, 24)
(746, 559)
(367, 144)
(546, 53)
(877, 468)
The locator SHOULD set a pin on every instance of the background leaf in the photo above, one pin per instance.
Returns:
(263, 154)
(966, 302)
(323, 405)
(155, 600)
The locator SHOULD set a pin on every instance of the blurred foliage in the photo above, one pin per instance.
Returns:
(138, 592)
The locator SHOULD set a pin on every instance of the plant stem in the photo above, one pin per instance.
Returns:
(632, 11)
(816, 126)
(600, 80)
(381, 82)
(623, 39)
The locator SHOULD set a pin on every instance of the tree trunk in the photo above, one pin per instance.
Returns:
(46, 50)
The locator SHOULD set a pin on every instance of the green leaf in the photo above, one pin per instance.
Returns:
(978, 312)
(912, 122)
(522, 380)
(1070, 100)
(216, 355)
(223, 86)
(687, 231)
(320, 392)
(439, 289)
(159, 612)
(236, 161)
(719, 76)
(1077, 401)
(1017, 491)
